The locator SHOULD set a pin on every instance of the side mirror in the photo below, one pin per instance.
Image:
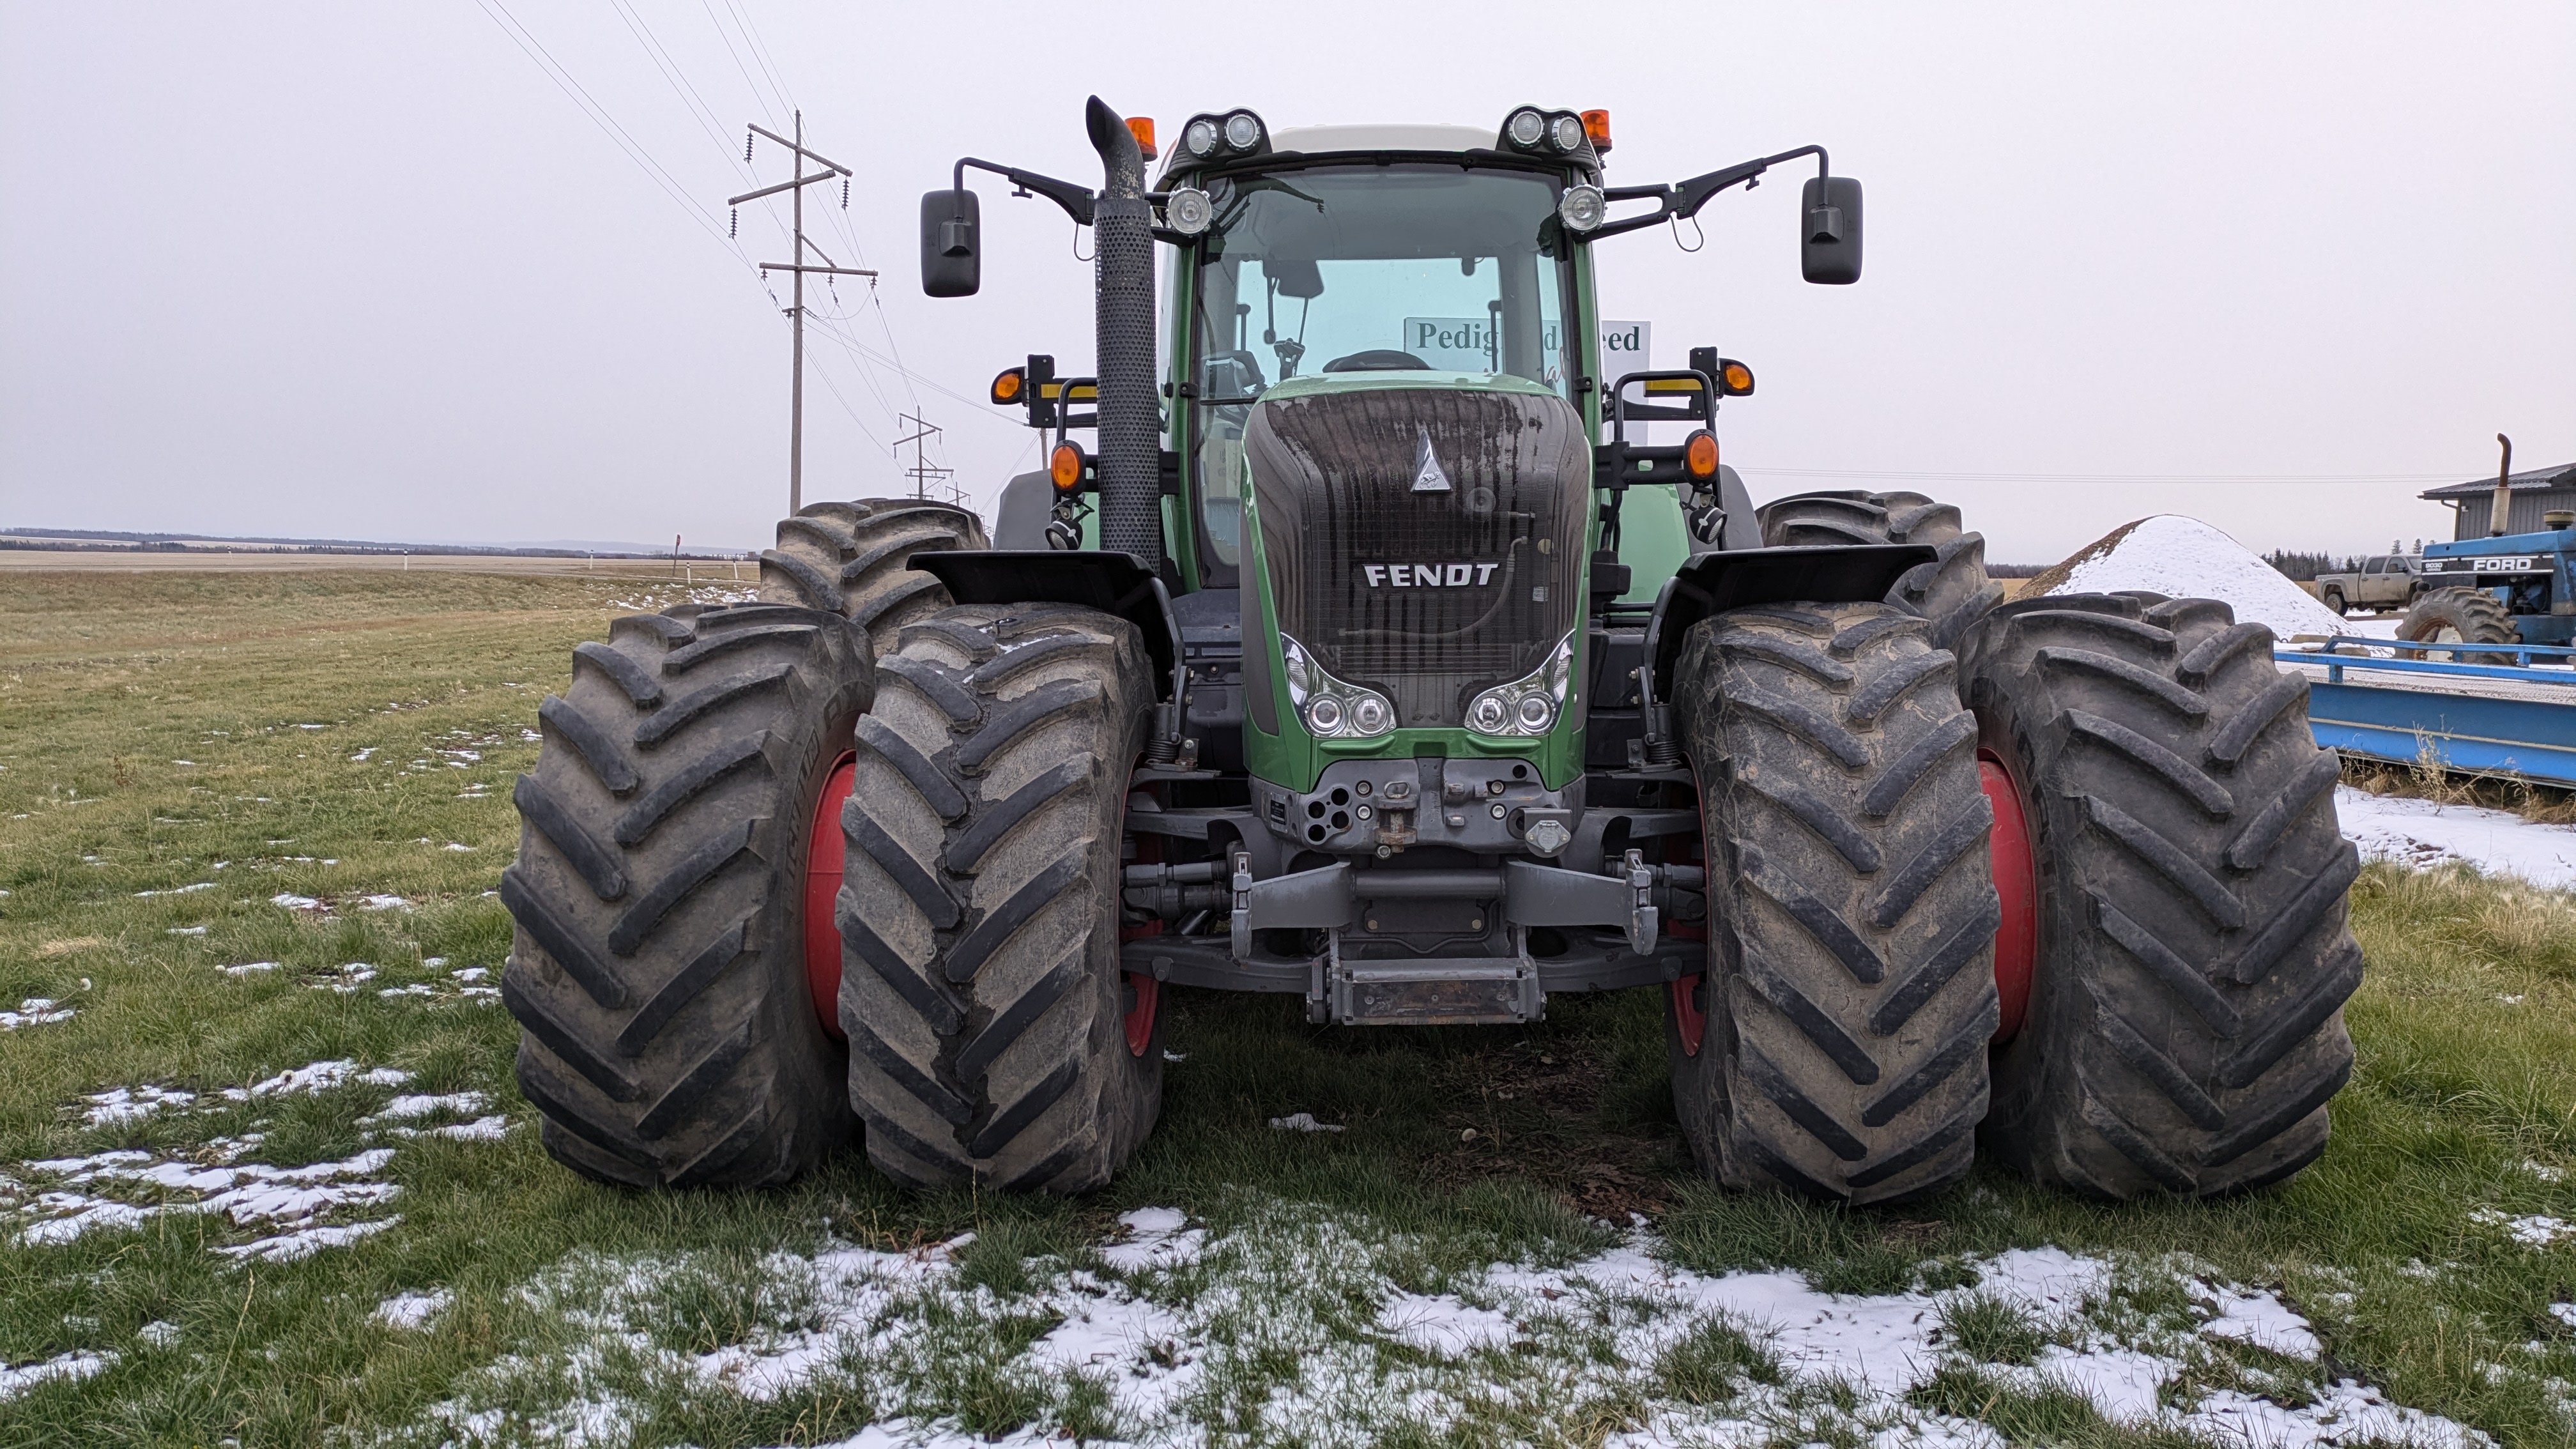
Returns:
(1829, 230)
(950, 266)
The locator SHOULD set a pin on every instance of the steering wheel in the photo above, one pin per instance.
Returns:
(1378, 359)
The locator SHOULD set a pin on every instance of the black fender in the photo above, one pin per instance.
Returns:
(1741, 578)
(1112, 582)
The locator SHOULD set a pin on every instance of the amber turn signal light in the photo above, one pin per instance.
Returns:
(1737, 380)
(1596, 128)
(1007, 387)
(1699, 455)
(1142, 128)
(1064, 467)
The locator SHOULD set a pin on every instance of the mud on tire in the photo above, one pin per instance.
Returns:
(2185, 1022)
(658, 966)
(1842, 1029)
(979, 912)
(852, 557)
(1952, 591)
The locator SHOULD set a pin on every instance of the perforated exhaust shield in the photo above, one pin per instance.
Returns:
(1426, 595)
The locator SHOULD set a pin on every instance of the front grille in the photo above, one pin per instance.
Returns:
(1427, 596)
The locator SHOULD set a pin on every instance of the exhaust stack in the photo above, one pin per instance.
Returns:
(2498, 512)
(1131, 482)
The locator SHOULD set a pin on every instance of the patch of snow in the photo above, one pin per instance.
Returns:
(2542, 1170)
(185, 890)
(160, 1333)
(469, 973)
(35, 1011)
(406, 1108)
(2262, 1320)
(1303, 1122)
(316, 1077)
(2185, 558)
(305, 1242)
(2422, 833)
(413, 1310)
(384, 903)
(452, 845)
(2537, 1230)
(78, 1364)
(248, 968)
(1157, 1238)
(294, 902)
(173, 931)
(349, 976)
(120, 1105)
(481, 1129)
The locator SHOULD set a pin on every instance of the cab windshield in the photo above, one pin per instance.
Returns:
(1367, 269)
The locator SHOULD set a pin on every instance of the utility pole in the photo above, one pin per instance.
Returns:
(921, 472)
(796, 384)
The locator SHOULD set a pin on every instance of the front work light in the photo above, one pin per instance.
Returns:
(1243, 130)
(1566, 133)
(1582, 207)
(1200, 139)
(1188, 211)
(1526, 128)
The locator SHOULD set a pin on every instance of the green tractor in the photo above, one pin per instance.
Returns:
(1374, 657)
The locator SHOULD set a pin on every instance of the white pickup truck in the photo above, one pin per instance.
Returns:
(2385, 581)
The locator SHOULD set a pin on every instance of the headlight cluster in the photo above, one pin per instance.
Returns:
(1530, 704)
(1331, 709)
(1531, 129)
(1240, 132)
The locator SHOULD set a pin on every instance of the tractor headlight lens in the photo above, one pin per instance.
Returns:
(1527, 128)
(1243, 130)
(1529, 705)
(1330, 708)
(1581, 208)
(1199, 139)
(1566, 132)
(1188, 211)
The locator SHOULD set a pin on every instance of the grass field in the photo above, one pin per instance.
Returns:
(346, 1233)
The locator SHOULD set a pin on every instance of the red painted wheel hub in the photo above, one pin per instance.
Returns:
(823, 848)
(1144, 992)
(2017, 888)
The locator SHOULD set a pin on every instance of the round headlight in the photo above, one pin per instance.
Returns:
(1566, 132)
(1536, 713)
(1200, 137)
(1188, 211)
(1242, 130)
(1527, 128)
(1368, 715)
(1489, 714)
(1581, 208)
(1324, 715)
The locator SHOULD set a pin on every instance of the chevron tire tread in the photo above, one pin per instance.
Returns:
(979, 909)
(658, 968)
(852, 558)
(2473, 616)
(1852, 914)
(1952, 591)
(2185, 1027)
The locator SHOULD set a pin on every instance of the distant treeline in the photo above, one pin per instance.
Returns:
(2304, 567)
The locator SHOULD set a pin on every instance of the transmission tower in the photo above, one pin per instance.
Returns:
(928, 481)
(796, 383)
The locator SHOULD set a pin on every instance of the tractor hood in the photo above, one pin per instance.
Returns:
(1422, 532)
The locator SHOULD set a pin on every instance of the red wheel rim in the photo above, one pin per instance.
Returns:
(1142, 987)
(823, 849)
(1689, 1021)
(2017, 888)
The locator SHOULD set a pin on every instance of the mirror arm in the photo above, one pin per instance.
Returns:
(1685, 198)
(1076, 200)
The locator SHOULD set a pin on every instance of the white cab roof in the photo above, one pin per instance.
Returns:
(1382, 138)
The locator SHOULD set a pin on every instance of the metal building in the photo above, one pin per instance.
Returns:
(2538, 491)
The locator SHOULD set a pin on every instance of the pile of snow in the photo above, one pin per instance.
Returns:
(2423, 834)
(2185, 558)
(1316, 1325)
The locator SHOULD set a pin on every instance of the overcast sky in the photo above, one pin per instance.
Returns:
(370, 271)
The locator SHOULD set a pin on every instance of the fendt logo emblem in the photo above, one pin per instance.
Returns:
(1429, 575)
(1427, 477)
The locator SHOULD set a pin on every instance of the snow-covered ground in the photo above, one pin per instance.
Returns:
(2421, 833)
(1322, 1327)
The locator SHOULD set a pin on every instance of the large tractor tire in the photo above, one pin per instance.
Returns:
(659, 967)
(1952, 591)
(854, 559)
(2466, 616)
(993, 1038)
(1837, 1045)
(2173, 1013)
